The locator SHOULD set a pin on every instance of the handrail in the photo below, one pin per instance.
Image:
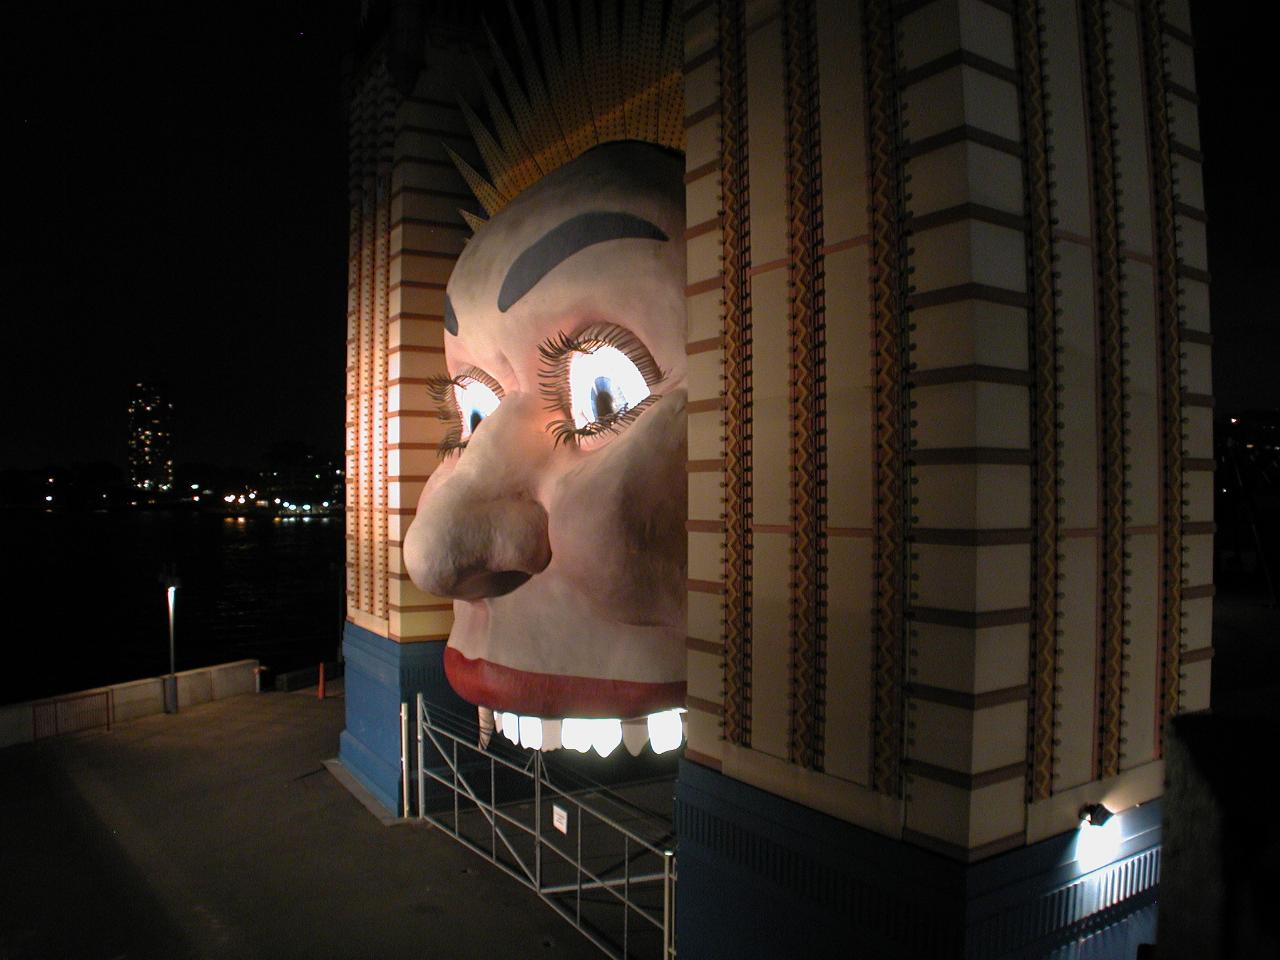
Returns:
(616, 880)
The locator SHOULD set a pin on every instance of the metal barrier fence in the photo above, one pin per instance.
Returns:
(72, 714)
(617, 889)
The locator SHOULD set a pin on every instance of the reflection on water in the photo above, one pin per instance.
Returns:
(84, 604)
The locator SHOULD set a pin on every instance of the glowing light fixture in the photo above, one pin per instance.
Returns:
(1098, 839)
(665, 731)
(531, 733)
(575, 734)
(511, 727)
(551, 735)
(606, 735)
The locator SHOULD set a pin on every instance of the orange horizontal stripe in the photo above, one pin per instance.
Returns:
(710, 110)
(766, 267)
(704, 526)
(706, 169)
(705, 586)
(703, 706)
(706, 226)
(703, 646)
(702, 759)
(704, 406)
(703, 346)
(704, 466)
(702, 286)
(850, 243)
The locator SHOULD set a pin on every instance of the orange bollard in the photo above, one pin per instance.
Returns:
(320, 688)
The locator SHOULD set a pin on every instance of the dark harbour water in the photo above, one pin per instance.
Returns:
(84, 605)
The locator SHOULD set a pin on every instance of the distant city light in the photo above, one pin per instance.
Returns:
(325, 504)
(277, 501)
(195, 486)
(230, 498)
(48, 499)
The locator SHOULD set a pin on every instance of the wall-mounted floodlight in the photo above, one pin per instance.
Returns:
(1094, 814)
(1098, 839)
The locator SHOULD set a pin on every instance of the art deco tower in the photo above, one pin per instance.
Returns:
(150, 439)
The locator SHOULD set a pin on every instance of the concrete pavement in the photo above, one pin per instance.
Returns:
(217, 832)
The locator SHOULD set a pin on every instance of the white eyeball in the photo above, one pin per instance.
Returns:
(603, 383)
(475, 402)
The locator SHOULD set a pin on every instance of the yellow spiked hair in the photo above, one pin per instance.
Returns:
(601, 78)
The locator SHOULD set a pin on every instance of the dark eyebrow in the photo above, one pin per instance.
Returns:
(559, 243)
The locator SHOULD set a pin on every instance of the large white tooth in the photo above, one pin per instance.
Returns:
(531, 733)
(665, 730)
(575, 734)
(486, 725)
(497, 720)
(606, 735)
(511, 727)
(634, 736)
(551, 735)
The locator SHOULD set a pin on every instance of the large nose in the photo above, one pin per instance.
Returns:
(480, 531)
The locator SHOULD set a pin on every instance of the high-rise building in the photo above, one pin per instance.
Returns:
(150, 439)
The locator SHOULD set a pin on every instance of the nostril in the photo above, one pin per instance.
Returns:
(489, 583)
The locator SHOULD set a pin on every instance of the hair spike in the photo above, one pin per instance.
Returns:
(484, 191)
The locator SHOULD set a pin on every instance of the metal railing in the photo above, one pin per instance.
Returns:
(72, 714)
(620, 895)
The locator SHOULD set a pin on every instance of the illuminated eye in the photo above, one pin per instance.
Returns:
(602, 384)
(475, 402)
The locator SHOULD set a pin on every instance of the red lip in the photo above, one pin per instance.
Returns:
(552, 695)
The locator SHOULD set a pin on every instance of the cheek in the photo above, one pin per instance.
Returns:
(616, 521)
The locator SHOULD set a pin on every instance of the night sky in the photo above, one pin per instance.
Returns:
(175, 209)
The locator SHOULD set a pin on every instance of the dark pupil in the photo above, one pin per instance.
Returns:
(602, 397)
(476, 417)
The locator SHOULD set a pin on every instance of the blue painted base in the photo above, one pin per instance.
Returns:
(380, 675)
(760, 874)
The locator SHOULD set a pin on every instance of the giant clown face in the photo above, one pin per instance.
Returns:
(556, 519)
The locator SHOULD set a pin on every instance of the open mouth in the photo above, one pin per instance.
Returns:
(662, 732)
(550, 695)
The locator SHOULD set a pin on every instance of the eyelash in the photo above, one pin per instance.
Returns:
(440, 389)
(555, 353)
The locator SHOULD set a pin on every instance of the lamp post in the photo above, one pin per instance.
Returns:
(171, 590)
(171, 584)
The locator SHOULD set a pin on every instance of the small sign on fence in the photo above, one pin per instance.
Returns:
(560, 818)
